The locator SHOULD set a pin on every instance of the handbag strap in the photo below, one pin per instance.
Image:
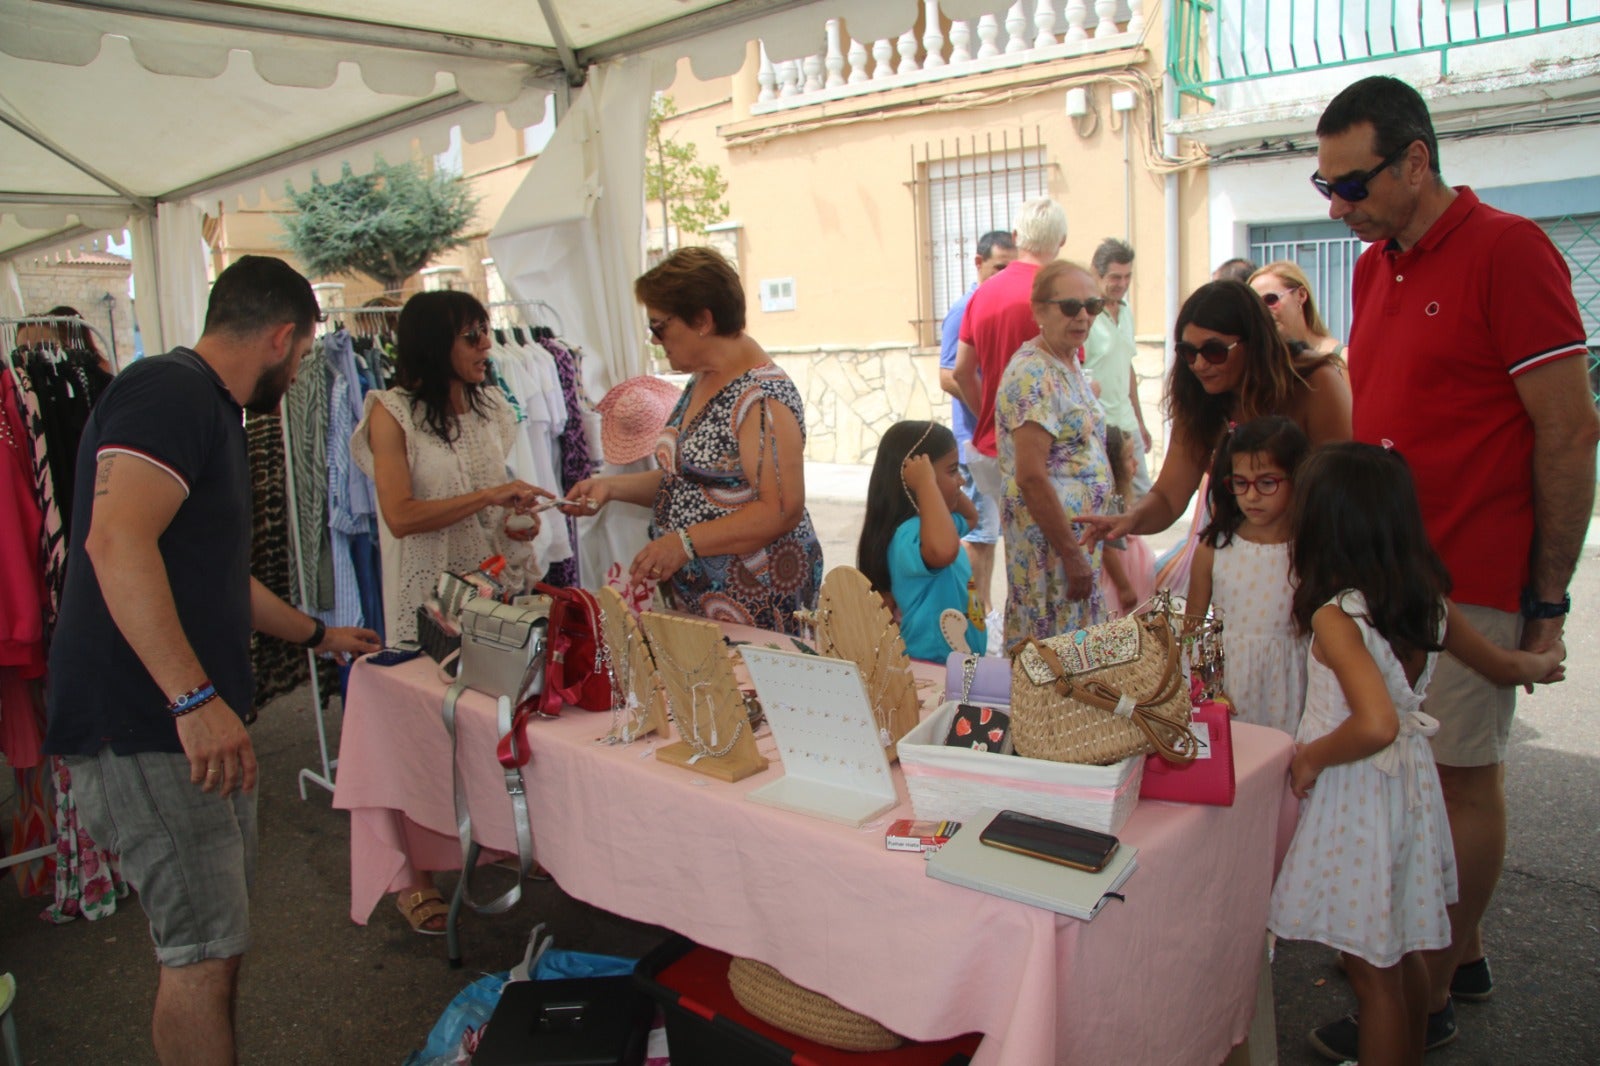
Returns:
(512, 733)
(1172, 741)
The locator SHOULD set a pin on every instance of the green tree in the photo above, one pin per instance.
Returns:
(387, 224)
(690, 195)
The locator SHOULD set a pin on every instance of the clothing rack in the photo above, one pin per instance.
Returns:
(11, 332)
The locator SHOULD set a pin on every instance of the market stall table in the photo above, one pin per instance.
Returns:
(1169, 976)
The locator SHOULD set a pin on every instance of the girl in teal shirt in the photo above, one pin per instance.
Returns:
(910, 545)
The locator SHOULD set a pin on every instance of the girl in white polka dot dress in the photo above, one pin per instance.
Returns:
(1242, 568)
(1371, 868)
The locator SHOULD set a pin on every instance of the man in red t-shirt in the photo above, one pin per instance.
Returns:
(1467, 351)
(999, 318)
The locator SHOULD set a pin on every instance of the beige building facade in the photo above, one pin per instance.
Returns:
(860, 178)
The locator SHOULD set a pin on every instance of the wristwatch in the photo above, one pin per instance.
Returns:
(1533, 609)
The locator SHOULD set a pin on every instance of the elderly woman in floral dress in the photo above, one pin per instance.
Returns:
(1052, 463)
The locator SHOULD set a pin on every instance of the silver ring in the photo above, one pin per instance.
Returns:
(213, 773)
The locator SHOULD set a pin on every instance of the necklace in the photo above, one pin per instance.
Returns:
(703, 747)
(623, 698)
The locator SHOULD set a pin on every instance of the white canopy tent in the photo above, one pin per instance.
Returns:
(121, 113)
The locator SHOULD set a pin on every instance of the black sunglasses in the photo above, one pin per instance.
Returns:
(1213, 351)
(658, 326)
(1094, 305)
(1353, 189)
(475, 334)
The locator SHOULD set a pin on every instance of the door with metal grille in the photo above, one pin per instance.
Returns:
(1578, 238)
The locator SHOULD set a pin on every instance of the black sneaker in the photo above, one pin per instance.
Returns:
(1338, 1040)
(1472, 982)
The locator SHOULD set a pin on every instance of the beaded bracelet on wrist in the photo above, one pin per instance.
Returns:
(688, 545)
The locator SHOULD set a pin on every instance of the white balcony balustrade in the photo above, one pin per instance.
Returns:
(1014, 35)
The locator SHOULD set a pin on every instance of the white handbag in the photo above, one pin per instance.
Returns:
(502, 654)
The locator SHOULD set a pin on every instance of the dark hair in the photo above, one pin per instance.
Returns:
(1357, 525)
(65, 330)
(1396, 111)
(692, 280)
(429, 324)
(1234, 270)
(1111, 252)
(995, 238)
(1272, 374)
(260, 292)
(888, 505)
(1274, 435)
(1116, 442)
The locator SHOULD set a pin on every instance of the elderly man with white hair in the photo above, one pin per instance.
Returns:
(999, 318)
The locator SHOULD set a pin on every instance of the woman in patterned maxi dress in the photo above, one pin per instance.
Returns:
(731, 539)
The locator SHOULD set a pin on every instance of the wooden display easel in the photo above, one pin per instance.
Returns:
(635, 673)
(702, 696)
(854, 623)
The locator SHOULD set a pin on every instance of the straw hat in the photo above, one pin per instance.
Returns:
(632, 415)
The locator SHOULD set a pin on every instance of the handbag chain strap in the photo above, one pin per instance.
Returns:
(510, 732)
(969, 673)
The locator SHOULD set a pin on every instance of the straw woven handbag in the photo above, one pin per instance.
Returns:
(1102, 694)
(778, 1001)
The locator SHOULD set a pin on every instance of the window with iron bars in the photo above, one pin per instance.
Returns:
(961, 193)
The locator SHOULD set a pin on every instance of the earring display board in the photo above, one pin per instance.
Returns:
(854, 623)
(833, 764)
(639, 705)
(703, 700)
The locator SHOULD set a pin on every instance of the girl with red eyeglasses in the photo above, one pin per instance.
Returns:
(1242, 568)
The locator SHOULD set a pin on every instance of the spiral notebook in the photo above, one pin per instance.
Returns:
(969, 862)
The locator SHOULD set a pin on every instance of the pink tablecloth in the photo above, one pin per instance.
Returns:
(1167, 977)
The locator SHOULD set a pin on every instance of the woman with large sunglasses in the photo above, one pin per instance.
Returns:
(1232, 365)
(1052, 439)
(436, 448)
(1286, 291)
(731, 539)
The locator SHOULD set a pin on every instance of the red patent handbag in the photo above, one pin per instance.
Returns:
(575, 672)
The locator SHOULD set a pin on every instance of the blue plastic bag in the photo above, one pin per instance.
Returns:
(454, 1035)
(555, 964)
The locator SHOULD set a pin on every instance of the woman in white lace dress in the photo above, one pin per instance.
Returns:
(1242, 569)
(435, 447)
(1371, 869)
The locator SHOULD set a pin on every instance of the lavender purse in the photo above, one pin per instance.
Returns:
(982, 679)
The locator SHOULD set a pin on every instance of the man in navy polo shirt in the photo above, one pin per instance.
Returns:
(1466, 351)
(150, 662)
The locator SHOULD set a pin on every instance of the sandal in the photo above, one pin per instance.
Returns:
(422, 907)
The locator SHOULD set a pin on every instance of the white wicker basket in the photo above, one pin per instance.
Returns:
(955, 783)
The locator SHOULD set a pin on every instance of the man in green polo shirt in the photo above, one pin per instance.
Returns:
(1109, 351)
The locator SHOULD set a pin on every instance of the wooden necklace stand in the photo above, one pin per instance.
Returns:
(641, 706)
(702, 699)
(854, 623)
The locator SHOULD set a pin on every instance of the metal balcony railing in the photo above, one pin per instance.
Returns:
(1211, 43)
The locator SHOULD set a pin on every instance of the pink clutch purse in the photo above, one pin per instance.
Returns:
(1209, 779)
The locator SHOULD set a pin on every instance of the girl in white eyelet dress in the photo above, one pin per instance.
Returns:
(1371, 867)
(1241, 567)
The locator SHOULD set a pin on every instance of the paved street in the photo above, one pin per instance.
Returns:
(319, 989)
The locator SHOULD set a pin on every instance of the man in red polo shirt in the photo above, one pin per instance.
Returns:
(1466, 351)
(999, 318)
